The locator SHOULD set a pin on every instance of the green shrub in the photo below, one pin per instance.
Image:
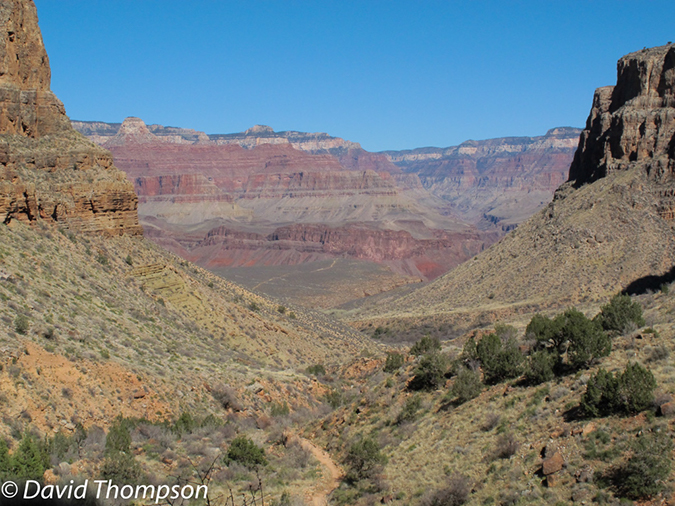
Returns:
(128, 260)
(425, 345)
(6, 467)
(334, 398)
(254, 307)
(246, 452)
(571, 333)
(184, 424)
(279, 409)
(409, 411)
(499, 360)
(645, 472)
(121, 468)
(469, 354)
(629, 392)
(540, 368)
(467, 385)
(281, 309)
(316, 370)
(546, 332)
(619, 312)
(380, 331)
(363, 460)
(118, 439)
(637, 386)
(21, 324)
(394, 362)
(429, 373)
(602, 394)
(30, 460)
(586, 341)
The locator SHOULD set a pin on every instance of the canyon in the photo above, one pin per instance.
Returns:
(262, 198)
(609, 227)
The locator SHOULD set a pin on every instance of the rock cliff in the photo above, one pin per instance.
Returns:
(503, 180)
(632, 125)
(608, 229)
(47, 170)
(405, 254)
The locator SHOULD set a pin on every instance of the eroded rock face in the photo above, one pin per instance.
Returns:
(259, 181)
(27, 106)
(632, 124)
(424, 258)
(502, 180)
(47, 170)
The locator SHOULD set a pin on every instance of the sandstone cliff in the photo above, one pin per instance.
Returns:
(607, 229)
(47, 170)
(503, 180)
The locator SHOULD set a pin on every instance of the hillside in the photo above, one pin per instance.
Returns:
(510, 441)
(607, 229)
(103, 333)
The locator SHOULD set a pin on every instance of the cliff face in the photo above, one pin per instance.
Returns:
(260, 181)
(632, 125)
(424, 258)
(608, 229)
(502, 180)
(47, 170)
(27, 106)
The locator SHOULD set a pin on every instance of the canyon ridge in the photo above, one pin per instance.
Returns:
(264, 207)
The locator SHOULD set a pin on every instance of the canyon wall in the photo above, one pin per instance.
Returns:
(47, 170)
(502, 180)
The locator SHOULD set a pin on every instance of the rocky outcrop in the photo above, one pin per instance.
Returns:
(27, 105)
(608, 229)
(319, 142)
(47, 170)
(632, 125)
(503, 181)
(293, 244)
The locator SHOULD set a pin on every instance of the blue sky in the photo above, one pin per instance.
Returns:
(388, 74)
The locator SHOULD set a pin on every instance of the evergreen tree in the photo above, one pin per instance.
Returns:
(619, 312)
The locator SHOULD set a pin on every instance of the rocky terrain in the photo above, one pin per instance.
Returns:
(503, 181)
(609, 228)
(101, 328)
(47, 170)
(122, 361)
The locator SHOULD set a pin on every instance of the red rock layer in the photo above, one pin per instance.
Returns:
(427, 258)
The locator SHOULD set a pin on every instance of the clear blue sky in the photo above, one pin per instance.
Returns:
(388, 74)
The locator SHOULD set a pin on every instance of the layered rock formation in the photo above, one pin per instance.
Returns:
(193, 189)
(424, 258)
(257, 135)
(608, 229)
(503, 180)
(47, 170)
(632, 125)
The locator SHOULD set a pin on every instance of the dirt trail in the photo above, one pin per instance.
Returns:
(318, 494)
